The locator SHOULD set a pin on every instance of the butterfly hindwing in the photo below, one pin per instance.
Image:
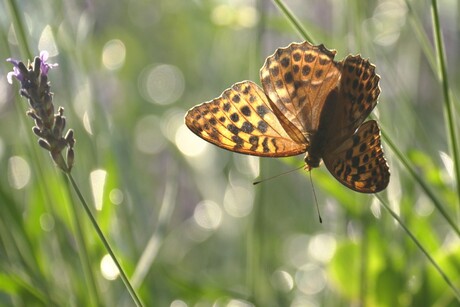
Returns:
(358, 163)
(241, 120)
(359, 88)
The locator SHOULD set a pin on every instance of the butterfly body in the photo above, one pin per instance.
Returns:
(309, 104)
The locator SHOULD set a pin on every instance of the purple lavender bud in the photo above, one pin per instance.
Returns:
(45, 67)
(15, 73)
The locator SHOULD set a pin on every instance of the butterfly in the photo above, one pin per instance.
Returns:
(309, 104)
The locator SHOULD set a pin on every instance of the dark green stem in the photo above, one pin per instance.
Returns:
(295, 22)
(84, 255)
(448, 105)
(419, 245)
(123, 276)
(428, 191)
(19, 28)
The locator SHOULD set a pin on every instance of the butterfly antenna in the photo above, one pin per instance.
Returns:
(276, 176)
(316, 199)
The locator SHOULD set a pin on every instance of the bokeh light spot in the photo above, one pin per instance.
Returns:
(282, 280)
(303, 301)
(238, 303)
(114, 54)
(387, 21)
(375, 208)
(82, 104)
(423, 206)
(162, 84)
(47, 222)
(296, 249)
(178, 303)
(116, 196)
(3, 92)
(87, 123)
(18, 172)
(322, 247)
(248, 165)
(97, 178)
(188, 143)
(47, 42)
(208, 215)
(147, 135)
(310, 279)
(240, 16)
(448, 170)
(247, 17)
(108, 268)
(238, 201)
(223, 15)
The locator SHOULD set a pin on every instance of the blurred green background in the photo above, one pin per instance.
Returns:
(183, 216)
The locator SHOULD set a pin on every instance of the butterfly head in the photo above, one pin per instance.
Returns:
(311, 162)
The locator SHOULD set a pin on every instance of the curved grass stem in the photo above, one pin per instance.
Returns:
(104, 241)
(448, 104)
(421, 248)
(295, 22)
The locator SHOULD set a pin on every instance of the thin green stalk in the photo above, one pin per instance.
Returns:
(256, 242)
(295, 22)
(253, 245)
(425, 187)
(123, 275)
(19, 28)
(364, 263)
(421, 36)
(419, 245)
(83, 253)
(448, 104)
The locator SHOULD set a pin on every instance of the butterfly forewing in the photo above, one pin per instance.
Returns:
(242, 120)
(297, 79)
(358, 163)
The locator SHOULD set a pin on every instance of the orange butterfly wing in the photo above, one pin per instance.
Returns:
(352, 151)
(241, 120)
(358, 163)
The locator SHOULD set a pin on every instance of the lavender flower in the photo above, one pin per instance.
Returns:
(15, 73)
(45, 67)
(48, 125)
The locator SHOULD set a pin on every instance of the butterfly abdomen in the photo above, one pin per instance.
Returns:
(315, 151)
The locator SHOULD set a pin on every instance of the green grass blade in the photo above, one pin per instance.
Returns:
(19, 28)
(420, 247)
(448, 104)
(295, 22)
(104, 241)
(425, 187)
